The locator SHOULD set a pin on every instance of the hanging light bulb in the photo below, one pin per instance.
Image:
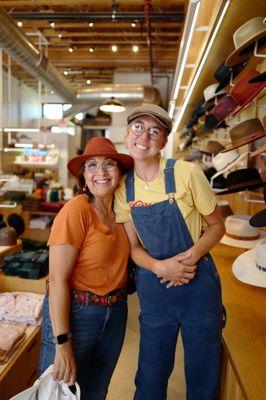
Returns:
(114, 48)
(112, 105)
(135, 48)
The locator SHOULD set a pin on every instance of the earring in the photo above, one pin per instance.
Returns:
(85, 189)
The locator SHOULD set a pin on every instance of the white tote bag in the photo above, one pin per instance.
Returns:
(45, 388)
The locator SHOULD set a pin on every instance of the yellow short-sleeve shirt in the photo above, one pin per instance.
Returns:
(193, 195)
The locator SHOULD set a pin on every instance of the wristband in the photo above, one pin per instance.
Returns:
(63, 338)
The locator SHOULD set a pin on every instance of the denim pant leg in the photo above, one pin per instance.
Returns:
(201, 328)
(158, 338)
(98, 335)
(106, 352)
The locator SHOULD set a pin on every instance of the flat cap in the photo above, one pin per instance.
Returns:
(154, 111)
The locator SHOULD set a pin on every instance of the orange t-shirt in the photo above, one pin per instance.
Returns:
(101, 265)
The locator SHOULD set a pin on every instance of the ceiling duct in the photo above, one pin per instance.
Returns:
(18, 46)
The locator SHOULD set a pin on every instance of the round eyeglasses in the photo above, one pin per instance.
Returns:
(138, 128)
(93, 166)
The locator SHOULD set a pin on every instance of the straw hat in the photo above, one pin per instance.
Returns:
(99, 146)
(244, 38)
(222, 160)
(250, 267)
(239, 233)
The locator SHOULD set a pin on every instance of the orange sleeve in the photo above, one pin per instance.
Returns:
(71, 224)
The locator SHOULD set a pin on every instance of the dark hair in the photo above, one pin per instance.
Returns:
(82, 187)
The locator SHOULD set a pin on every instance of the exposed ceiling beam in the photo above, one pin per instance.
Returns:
(127, 16)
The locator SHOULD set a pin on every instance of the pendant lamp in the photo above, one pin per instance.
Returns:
(112, 105)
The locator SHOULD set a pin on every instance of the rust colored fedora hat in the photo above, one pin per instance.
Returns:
(246, 132)
(242, 179)
(244, 92)
(245, 38)
(99, 146)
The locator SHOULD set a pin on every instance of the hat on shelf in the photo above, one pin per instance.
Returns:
(243, 179)
(211, 147)
(225, 208)
(244, 92)
(222, 110)
(240, 234)
(250, 267)
(8, 236)
(259, 220)
(210, 92)
(246, 132)
(224, 74)
(245, 38)
(258, 78)
(259, 151)
(219, 182)
(99, 146)
(223, 160)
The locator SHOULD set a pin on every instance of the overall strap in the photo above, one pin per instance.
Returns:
(169, 176)
(130, 188)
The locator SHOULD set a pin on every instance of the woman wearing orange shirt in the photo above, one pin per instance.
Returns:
(88, 274)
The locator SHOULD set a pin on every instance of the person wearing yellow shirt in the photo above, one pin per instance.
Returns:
(163, 205)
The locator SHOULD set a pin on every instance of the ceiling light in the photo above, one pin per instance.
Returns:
(20, 23)
(65, 72)
(88, 81)
(133, 24)
(200, 67)
(91, 49)
(52, 24)
(114, 48)
(135, 48)
(59, 35)
(112, 105)
(27, 130)
(70, 49)
(91, 24)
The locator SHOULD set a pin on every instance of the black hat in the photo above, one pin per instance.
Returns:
(223, 74)
(242, 179)
(218, 183)
(16, 222)
(259, 78)
(258, 220)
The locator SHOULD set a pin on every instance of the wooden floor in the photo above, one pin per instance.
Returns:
(122, 385)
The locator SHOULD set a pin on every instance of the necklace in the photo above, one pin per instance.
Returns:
(151, 178)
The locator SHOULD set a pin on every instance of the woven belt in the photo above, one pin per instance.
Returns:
(108, 299)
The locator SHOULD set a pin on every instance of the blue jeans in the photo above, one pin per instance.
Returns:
(98, 335)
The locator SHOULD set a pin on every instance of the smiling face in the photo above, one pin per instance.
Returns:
(102, 179)
(141, 146)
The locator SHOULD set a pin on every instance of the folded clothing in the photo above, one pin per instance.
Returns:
(11, 336)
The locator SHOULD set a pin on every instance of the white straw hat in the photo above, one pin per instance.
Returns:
(250, 267)
(239, 233)
(222, 160)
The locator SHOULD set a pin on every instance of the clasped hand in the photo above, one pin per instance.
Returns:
(180, 269)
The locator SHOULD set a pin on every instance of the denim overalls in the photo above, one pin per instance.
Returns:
(196, 308)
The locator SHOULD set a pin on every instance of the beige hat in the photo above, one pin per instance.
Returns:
(212, 147)
(223, 160)
(239, 233)
(153, 111)
(250, 267)
(244, 37)
(209, 92)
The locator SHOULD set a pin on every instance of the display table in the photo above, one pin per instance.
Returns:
(7, 250)
(22, 368)
(244, 337)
